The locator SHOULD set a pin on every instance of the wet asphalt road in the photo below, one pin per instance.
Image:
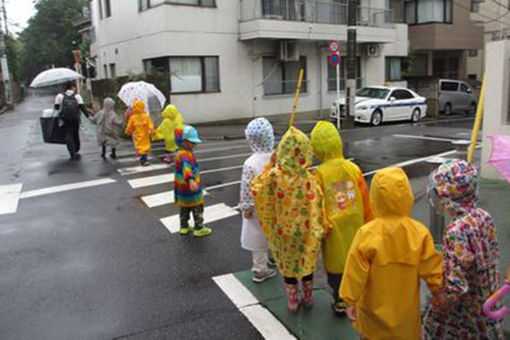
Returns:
(97, 263)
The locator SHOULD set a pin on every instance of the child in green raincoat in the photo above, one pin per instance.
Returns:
(172, 120)
(347, 203)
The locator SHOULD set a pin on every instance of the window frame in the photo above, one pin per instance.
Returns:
(411, 96)
(450, 82)
(140, 5)
(203, 74)
(174, 2)
(100, 9)
(304, 86)
(387, 61)
(108, 8)
(446, 21)
(343, 70)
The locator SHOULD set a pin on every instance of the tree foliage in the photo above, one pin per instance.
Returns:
(49, 37)
(13, 50)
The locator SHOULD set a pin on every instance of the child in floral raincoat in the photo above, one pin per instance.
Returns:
(347, 203)
(471, 258)
(108, 124)
(290, 207)
(387, 259)
(140, 126)
(260, 136)
(172, 120)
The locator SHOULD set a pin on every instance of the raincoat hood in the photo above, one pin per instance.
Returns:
(456, 185)
(391, 193)
(138, 107)
(170, 112)
(108, 104)
(294, 152)
(259, 134)
(326, 141)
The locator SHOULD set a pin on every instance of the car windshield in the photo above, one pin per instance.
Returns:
(372, 92)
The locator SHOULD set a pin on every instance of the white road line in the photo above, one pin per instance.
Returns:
(162, 198)
(66, 187)
(436, 139)
(222, 185)
(222, 149)
(9, 198)
(265, 322)
(224, 157)
(414, 161)
(152, 180)
(169, 178)
(211, 214)
(141, 169)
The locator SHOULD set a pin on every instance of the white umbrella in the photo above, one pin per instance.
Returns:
(142, 91)
(55, 76)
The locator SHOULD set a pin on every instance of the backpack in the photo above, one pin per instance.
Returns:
(70, 110)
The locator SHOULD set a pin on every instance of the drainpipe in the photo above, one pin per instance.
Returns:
(319, 58)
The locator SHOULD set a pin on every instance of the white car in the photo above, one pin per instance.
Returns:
(378, 104)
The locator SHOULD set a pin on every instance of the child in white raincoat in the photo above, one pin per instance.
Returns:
(260, 136)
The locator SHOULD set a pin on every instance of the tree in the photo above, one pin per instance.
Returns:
(48, 39)
(13, 51)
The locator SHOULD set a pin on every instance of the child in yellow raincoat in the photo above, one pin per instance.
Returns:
(347, 203)
(290, 207)
(387, 259)
(172, 120)
(141, 127)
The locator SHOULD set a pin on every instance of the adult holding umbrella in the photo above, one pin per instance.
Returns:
(69, 104)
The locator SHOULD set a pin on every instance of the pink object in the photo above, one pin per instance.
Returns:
(500, 157)
(493, 300)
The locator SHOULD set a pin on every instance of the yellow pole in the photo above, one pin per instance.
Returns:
(478, 123)
(296, 99)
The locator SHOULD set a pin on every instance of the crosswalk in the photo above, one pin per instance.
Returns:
(221, 168)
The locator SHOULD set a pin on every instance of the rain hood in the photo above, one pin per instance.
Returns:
(260, 135)
(326, 141)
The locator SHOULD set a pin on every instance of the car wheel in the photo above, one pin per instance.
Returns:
(416, 116)
(448, 109)
(376, 118)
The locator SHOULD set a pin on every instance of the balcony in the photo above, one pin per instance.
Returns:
(311, 20)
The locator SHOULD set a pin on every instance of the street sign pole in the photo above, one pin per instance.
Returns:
(351, 62)
(338, 95)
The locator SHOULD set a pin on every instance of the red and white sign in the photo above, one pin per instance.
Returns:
(334, 46)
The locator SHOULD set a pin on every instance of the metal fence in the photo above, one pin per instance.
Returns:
(313, 11)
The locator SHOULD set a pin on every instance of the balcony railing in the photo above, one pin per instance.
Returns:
(312, 11)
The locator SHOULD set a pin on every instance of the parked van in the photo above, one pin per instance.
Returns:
(456, 96)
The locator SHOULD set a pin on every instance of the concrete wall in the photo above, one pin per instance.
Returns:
(129, 37)
(496, 118)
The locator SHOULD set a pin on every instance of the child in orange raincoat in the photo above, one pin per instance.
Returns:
(347, 203)
(290, 206)
(140, 126)
(387, 259)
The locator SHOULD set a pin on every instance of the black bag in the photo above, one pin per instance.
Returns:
(53, 130)
(69, 109)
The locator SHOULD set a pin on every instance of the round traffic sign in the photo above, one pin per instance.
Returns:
(334, 59)
(334, 46)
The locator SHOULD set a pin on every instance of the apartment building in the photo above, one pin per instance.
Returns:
(493, 16)
(238, 59)
(445, 41)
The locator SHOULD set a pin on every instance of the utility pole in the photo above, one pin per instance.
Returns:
(6, 79)
(352, 62)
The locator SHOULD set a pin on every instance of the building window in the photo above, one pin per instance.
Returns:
(475, 6)
(113, 71)
(108, 8)
(194, 74)
(428, 11)
(282, 77)
(100, 7)
(343, 72)
(144, 5)
(393, 68)
(473, 53)
(202, 3)
(105, 69)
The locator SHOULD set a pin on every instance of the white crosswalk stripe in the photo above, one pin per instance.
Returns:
(162, 198)
(152, 180)
(212, 213)
(9, 198)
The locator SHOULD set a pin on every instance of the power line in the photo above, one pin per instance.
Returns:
(482, 15)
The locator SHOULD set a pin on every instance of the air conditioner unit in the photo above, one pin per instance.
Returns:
(288, 50)
(372, 50)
